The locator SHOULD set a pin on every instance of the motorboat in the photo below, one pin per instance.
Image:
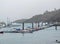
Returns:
(57, 41)
(1, 32)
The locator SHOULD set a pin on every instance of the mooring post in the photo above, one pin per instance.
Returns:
(55, 27)
(23, 26)
(38, 24)
(42, 24)
(32, 25)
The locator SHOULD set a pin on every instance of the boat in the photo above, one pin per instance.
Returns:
(1, 32)
(25, 31)
(57, 41)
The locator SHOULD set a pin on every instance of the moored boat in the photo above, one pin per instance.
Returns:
(1, 32)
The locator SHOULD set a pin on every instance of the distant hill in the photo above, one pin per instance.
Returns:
(47, 16)
(53, 16)
(19, 21)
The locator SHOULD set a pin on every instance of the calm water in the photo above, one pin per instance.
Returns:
(46, 36)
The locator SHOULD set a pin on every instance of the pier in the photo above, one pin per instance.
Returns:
(30, 30)
(33, 29)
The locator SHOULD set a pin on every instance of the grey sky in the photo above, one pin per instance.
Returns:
(19, 9)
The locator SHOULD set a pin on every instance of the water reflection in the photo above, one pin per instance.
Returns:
(46, 36)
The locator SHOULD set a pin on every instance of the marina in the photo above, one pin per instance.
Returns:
(46, 36)
(29, 30)
(29, 22)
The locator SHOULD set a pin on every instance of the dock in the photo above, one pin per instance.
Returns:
(31, 30)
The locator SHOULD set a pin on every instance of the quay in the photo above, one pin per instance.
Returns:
(30, 30)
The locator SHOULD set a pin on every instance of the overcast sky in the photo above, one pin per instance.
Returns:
(20, 9)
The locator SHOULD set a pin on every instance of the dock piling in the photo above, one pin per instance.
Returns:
(55, 27)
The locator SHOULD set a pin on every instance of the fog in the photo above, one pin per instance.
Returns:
(24, 9)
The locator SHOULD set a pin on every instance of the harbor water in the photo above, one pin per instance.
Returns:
(45, 36)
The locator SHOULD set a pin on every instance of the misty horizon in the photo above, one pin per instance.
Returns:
(24, 9)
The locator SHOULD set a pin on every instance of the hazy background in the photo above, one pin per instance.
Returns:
(20, 9)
